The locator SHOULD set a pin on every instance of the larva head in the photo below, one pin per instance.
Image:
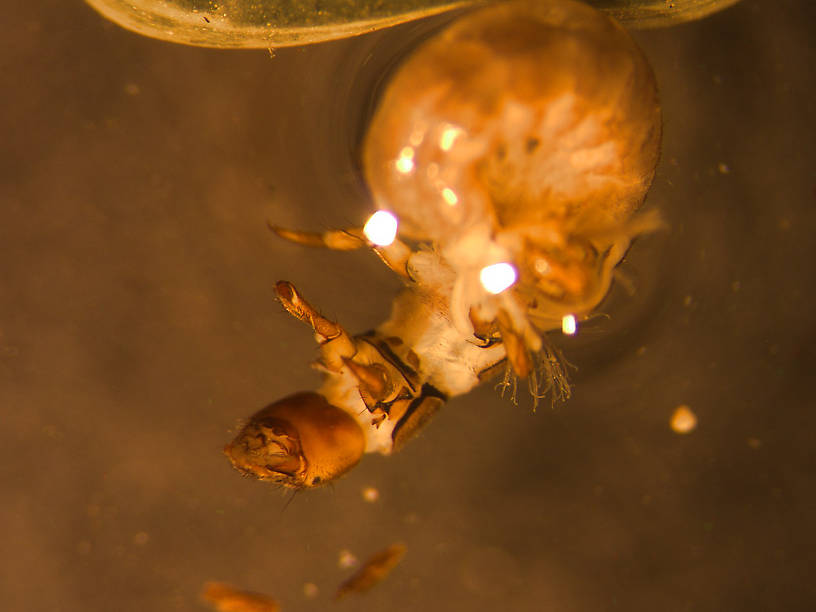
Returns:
(300, 441)
(522, 115)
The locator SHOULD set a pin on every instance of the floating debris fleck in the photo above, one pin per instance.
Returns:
(310, 590)
(226, 598)
(375, 570)
(371, 494)
(346, 559)
(683, 420)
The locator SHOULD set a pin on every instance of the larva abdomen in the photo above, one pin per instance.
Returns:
(525, 110)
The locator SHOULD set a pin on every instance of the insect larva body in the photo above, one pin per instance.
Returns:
(522, 138)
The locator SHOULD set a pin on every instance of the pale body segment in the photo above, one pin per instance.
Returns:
(524, 135)
(419, 353)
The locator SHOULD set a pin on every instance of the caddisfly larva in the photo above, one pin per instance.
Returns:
(514, 149)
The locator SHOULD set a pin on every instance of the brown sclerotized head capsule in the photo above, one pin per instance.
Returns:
(300, 441)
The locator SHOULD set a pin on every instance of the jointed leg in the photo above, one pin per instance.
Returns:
(395, 255)
(339, 240)
(335, 344)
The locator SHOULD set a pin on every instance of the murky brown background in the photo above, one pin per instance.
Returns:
(138, 325)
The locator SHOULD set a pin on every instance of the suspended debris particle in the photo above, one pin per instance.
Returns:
(346, 559)
(225, 598)
(375, 570)
(371, 494)
(683, 420)
(310, 590)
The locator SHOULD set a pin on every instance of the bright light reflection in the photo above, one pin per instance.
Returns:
(381, 228)
(497, 277)
(450, 196)
(449, 136)
(405, 163)
(568, 325)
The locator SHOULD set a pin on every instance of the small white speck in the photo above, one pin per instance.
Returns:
(346, 559)
(405, 161)
(371, 494)
(449, 195)
(449, 136)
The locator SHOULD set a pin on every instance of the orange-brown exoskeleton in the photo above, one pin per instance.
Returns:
(514, 149)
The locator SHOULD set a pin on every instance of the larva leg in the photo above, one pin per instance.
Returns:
(517, 352)
(338, 240)
(395, 255)
(518, 335)
(335, 344)
(375, 384)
